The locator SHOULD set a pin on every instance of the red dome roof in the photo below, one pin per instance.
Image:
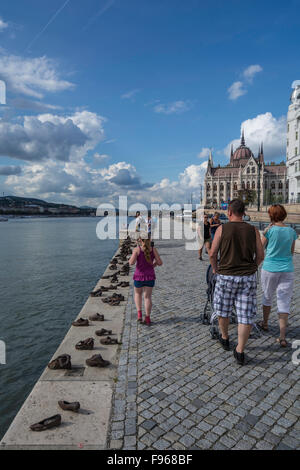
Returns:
(242, 152)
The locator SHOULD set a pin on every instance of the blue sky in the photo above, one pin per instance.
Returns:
(147, 86)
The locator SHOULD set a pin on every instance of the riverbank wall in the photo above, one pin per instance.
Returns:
(93, 387)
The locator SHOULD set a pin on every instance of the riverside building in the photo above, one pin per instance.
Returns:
(246, 176)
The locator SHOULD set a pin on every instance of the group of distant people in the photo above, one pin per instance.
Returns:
(235, 249)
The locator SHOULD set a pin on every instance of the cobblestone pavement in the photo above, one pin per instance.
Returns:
(178, 389)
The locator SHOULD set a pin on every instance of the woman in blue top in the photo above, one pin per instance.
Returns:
(277, 274)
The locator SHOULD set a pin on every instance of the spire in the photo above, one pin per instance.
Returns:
(231, 152)
(261, 153)
(210, 159)
(243, 138)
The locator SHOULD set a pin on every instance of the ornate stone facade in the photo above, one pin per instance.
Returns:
(293, 147)
(267, 181)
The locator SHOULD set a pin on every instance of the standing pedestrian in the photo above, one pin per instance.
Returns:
(239, 246)
(277, 274)
(204, 238)
(146, 259)
(215, 222)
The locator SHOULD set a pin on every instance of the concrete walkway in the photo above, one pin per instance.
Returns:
(176, 387)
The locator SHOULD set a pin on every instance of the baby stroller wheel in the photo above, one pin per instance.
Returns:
(214, 332)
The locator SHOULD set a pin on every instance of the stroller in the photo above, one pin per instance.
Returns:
(208, 317)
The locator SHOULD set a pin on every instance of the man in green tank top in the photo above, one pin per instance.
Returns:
(240, 253)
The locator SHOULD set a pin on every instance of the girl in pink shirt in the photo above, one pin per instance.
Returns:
(146, 259)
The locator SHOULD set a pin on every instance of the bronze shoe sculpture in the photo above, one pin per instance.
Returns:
(47, 423)
(97, 361)
(61, 362)
(69, 406)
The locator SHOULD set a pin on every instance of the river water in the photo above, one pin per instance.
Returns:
(47, 269)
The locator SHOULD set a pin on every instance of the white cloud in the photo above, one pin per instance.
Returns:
(31, 76)
(176, 107)
(267, 129)
(204, 152)
(295, 83)
(49, 136)
(3, 25)
(76, 182)
(251, 71)
(130, 94)
(236, 90)
(99, 158)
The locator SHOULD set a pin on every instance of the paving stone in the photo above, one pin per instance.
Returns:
(148, 424)
(161, 444)
(278, 430)
(264, 445)
(196, 394)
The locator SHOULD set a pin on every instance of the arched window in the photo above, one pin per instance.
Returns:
(253, 169)
(248, 184)
(235, 186)
(248, 170)
(221, 187)
(208, 187)
(243, 185)
(253, 184)
(273, 185)
(280, 185)
(215, 187)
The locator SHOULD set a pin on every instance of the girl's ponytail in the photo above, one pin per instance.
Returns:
(146, 245)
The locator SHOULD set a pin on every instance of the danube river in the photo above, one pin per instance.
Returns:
(47, 269)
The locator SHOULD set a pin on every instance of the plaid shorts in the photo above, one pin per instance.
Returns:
(238, 292)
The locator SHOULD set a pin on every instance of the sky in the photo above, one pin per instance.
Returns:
(110, 97)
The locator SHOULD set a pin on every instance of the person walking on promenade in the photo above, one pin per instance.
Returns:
(149, 223)
(146, 259)
(241, 252)
(138, 220)
(204, 238)
(277, 274)
(215, 222)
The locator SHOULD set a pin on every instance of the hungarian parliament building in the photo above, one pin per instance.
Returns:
(247, 177)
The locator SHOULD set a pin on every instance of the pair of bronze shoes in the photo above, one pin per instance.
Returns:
(55, 420)
(123, 284)
(109, 340)
(81, 322)
(96, 317)
(85, 345)
(96, 293)
(97, 361)
(103, 332)
(114, 299)
(61, 362)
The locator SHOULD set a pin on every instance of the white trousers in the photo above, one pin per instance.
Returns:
(280, 284)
